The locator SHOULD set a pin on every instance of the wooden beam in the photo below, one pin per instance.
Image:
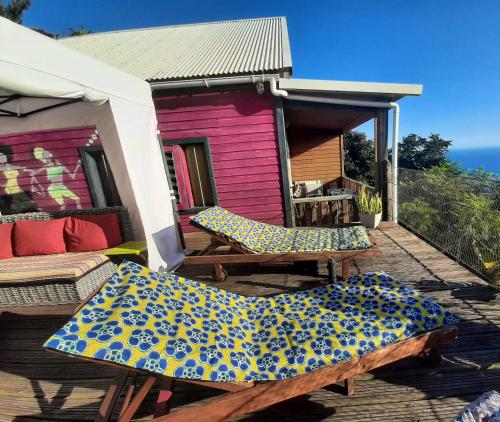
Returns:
(231, 386)
(310, 200)
(127, 414)
(342, 158)
(284, 257)
(345, 269)
(359, 121)
(111, 397)
(349, 386)
(284, 161)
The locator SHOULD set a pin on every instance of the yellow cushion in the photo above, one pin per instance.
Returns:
(181, 328)
(259, 237)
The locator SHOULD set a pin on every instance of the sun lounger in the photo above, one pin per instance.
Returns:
(254, 242)
(261, 350)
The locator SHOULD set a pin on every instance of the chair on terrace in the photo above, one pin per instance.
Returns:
(261, 350)
(254, 242)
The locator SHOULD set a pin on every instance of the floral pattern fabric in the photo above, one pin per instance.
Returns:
(177, 327)
(267, 238)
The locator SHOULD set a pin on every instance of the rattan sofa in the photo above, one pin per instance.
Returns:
(39, 288)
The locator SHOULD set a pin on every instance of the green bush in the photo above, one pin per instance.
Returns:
(369, 204)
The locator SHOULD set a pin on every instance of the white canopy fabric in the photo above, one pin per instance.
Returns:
(121, 108)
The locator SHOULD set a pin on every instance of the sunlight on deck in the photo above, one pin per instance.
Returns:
(44, 386)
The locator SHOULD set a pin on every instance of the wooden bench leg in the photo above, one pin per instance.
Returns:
(111, 397)
(134, 404)
(164, 396)
(349, 386)
(332, 273)
(345, 269)
(432, 355)
(220, 274)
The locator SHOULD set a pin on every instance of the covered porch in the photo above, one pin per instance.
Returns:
(312, 118)
(41, 386)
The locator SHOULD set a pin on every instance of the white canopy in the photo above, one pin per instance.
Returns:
(121, 108)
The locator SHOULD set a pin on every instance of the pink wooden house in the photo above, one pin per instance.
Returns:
(222, 148)
(236, 130)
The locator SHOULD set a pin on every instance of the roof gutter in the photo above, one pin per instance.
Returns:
(231, 80)
(272, 79)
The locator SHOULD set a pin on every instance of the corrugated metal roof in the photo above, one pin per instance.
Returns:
(250, 46)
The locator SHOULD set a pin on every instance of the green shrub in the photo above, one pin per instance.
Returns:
(369, 204)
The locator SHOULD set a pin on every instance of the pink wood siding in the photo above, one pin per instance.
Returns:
(241, 131)
(25, 180)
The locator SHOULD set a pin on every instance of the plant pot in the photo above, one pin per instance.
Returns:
(370, 220)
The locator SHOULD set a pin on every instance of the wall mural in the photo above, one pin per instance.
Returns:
(55, 172)
(43, 170)
(14, 198)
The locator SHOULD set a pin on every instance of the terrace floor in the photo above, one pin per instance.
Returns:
(36, 385)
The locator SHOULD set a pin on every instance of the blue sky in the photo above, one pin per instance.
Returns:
(452, 47)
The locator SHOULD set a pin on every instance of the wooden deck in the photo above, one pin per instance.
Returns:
(36, 385)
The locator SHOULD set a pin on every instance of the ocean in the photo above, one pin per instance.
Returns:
(472, 158)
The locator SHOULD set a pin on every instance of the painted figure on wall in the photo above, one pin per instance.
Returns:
(13, 198)
(55, 172)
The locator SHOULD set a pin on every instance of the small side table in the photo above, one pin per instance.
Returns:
(136, 251)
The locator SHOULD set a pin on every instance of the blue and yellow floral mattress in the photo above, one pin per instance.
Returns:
(259, 237)
(181, 328)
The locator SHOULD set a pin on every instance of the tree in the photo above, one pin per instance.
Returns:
(418, 153)
(46, 33)
(460, 214)
(359, 156)
(74, 32)
(14, 10)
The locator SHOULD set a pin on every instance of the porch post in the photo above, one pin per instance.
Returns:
(382, 177)
(284, 161)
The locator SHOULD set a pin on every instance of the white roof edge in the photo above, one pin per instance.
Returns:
(285, 43)
(349, 87)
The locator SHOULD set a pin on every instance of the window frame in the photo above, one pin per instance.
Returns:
(211, 174)
(94, 181)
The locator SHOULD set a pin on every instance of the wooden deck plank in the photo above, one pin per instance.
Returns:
(35, 385)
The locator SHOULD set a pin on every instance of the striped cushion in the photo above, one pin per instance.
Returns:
(46, 267)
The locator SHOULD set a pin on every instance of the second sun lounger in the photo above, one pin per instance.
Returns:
(254, 242)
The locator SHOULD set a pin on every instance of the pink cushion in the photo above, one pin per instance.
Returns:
(39, 237)
(6, 240)
(87, 233)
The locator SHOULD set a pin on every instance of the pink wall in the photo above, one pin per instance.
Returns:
(241, 131)
(27, 183)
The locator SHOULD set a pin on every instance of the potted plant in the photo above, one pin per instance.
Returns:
(370, 208)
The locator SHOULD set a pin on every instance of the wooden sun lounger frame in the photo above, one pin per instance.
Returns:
(246, 397)
(240, 255)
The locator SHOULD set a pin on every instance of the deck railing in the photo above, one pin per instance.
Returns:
(355, 186)
(459, 215)
(324, 211)
(327, 211)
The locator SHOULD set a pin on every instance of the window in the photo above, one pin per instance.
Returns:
(190, 169)
(99, 177)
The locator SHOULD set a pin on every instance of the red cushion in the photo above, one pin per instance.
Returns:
(87, 233)
(6, 240)
(39, 237)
